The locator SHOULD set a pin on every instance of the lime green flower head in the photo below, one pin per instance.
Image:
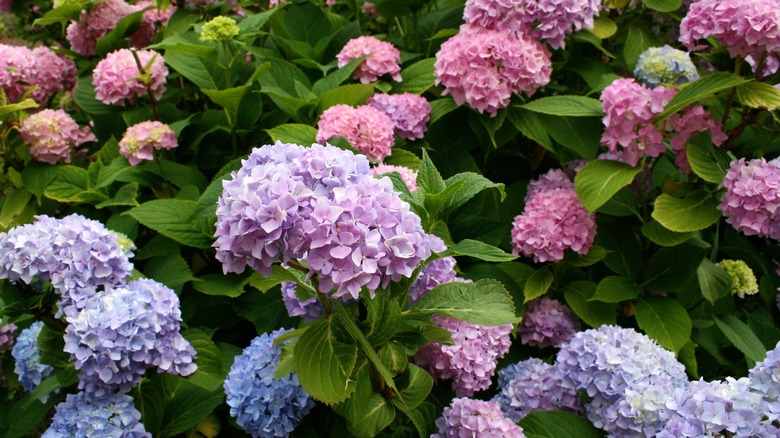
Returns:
(219, 29)
(743, 280)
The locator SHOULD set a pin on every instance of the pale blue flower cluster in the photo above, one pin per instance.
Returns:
(665, 66)
(532, 385)
(765, 380)
(27, 354)
(84, 416)
(262, 405)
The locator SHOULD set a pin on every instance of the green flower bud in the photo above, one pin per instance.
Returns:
(743, 280)
(219, 29)
(124, 242)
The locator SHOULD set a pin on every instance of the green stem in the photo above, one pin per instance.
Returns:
(147, 83)
(733, 94)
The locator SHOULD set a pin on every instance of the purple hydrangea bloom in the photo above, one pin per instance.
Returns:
(532, 385)
(27, 354)
(552, 179)
(125, 330)
(439, 271)
(765, 380)
(611, 361)
(410, 113)
(752, 197)
(8, 334)
(82, 415)
(547, 323)
(465, 417)
(320, 203)
(262, 405)
(309, 310)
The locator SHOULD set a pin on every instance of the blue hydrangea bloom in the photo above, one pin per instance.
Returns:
(765, 380)
(85, 416)
(28, 366)
(532, 385)
(665, 66)
(262, 405)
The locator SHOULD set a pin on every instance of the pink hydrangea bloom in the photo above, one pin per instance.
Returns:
(5, 6)
(53, 73)
(151, 21)
(140, 141)
(408, 175)
(382, 58)
(100, 20)
(553, 179)
(552, 222)
(751, 203)
(485, 67)
(366, 128)
(475, 418)
(547, 323)
(744, 27)
(117, 79)
(505, 15)
(17, 68)
(410, 113)
(8, 334)
(630, 108)
(687, 123)
(369, 8)
(51, 135)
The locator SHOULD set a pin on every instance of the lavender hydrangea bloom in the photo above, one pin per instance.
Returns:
(665, 66)
(115, 337)
(532, 385)
(309, 310)
(610, 361)
(27, 354)
(410, 113)
(262, 405)
(8, 334)
(765, 380)
(465, 417)
(82, 415)
(552, 179)
(439, 271)
(547, 323)
(752, 197)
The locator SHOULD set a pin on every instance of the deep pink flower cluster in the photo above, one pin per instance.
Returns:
(751, 203)
(366, 128)
(689, 122)
(381, 58)
(52, 135)
(408, 175)
(547, 323)
(552, 222)
(744, 27)
(465, 417)
(410, 113)
(630, 108)
(320, 204)
(21, 68)
(100, 20)
(140, 141)
(118, 80)
(152, 19)
(484, 67)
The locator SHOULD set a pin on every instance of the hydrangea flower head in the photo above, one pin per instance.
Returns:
(219, 29)
(547, 323)
(381, 58)
(101, 19)
(552, 179)
(52, 74)
(82, 415)
(665, 66)
(484, 67)
(366, 128)
(27, 354)
(751, 203)
(410, 113)
(118, 79)
(552, 222)
(142, 321)
(262, 405)
(684, 124)
(439, 271)
(408, 175)
(140, 141)
(8, 334)
(465, 417)
(743, 281)
(152, 19)
(51, 135)
(17, 70)
(309, 309)
(532, 385)
(765, 380)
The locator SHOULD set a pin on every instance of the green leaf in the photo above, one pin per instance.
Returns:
(401, 157)
(382, 318)
(295, 133)
(211, 373)
(84, 95)
(580, 135)
(603, 27)
(599, 180)
(115, 39)
(335, 78)
(201, 72)
(664, 320)
(13, 204)
(567, 106)
(741, 336)
(687, 357)
(700, 90)
(615, 289)
(350, 94)
(671, 267)
(24, 416)
(659, 235)
(594, 313)
(423, 418)
(706, 161)
(759, 95)
(170, 270)
(458, 190)
(428, 178)
(595, 254)
(623, 203)
(557, 424)
(126, 196)
(366, 411)
(278, 276)
(229, 100)
(63, 14)
(227, 285)
(537, 284)
(19, 106)
(187, 405)
(173, 218)
(417, 78)
(37, 176)
(72, 185)
(414, 385)
(697, 211)
(530, 125)
(187, 43)
(638, 40)
(484, 302)
(324, 364)
(478, 250)
(663, 5)
(440, 108)
(714, 282)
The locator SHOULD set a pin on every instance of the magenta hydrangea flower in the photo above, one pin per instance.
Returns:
(552, 179)
(118, 80)
(744, 27)
(366, 128)
(465, 417)
(547, 323)
(484, 67)
(408, 175)
(552, 222)
(381, 58)
(751, 203)
(140, 141)
(687, 123)
(532, 385)
(51, 135)
(410, 113)
(101, 19)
